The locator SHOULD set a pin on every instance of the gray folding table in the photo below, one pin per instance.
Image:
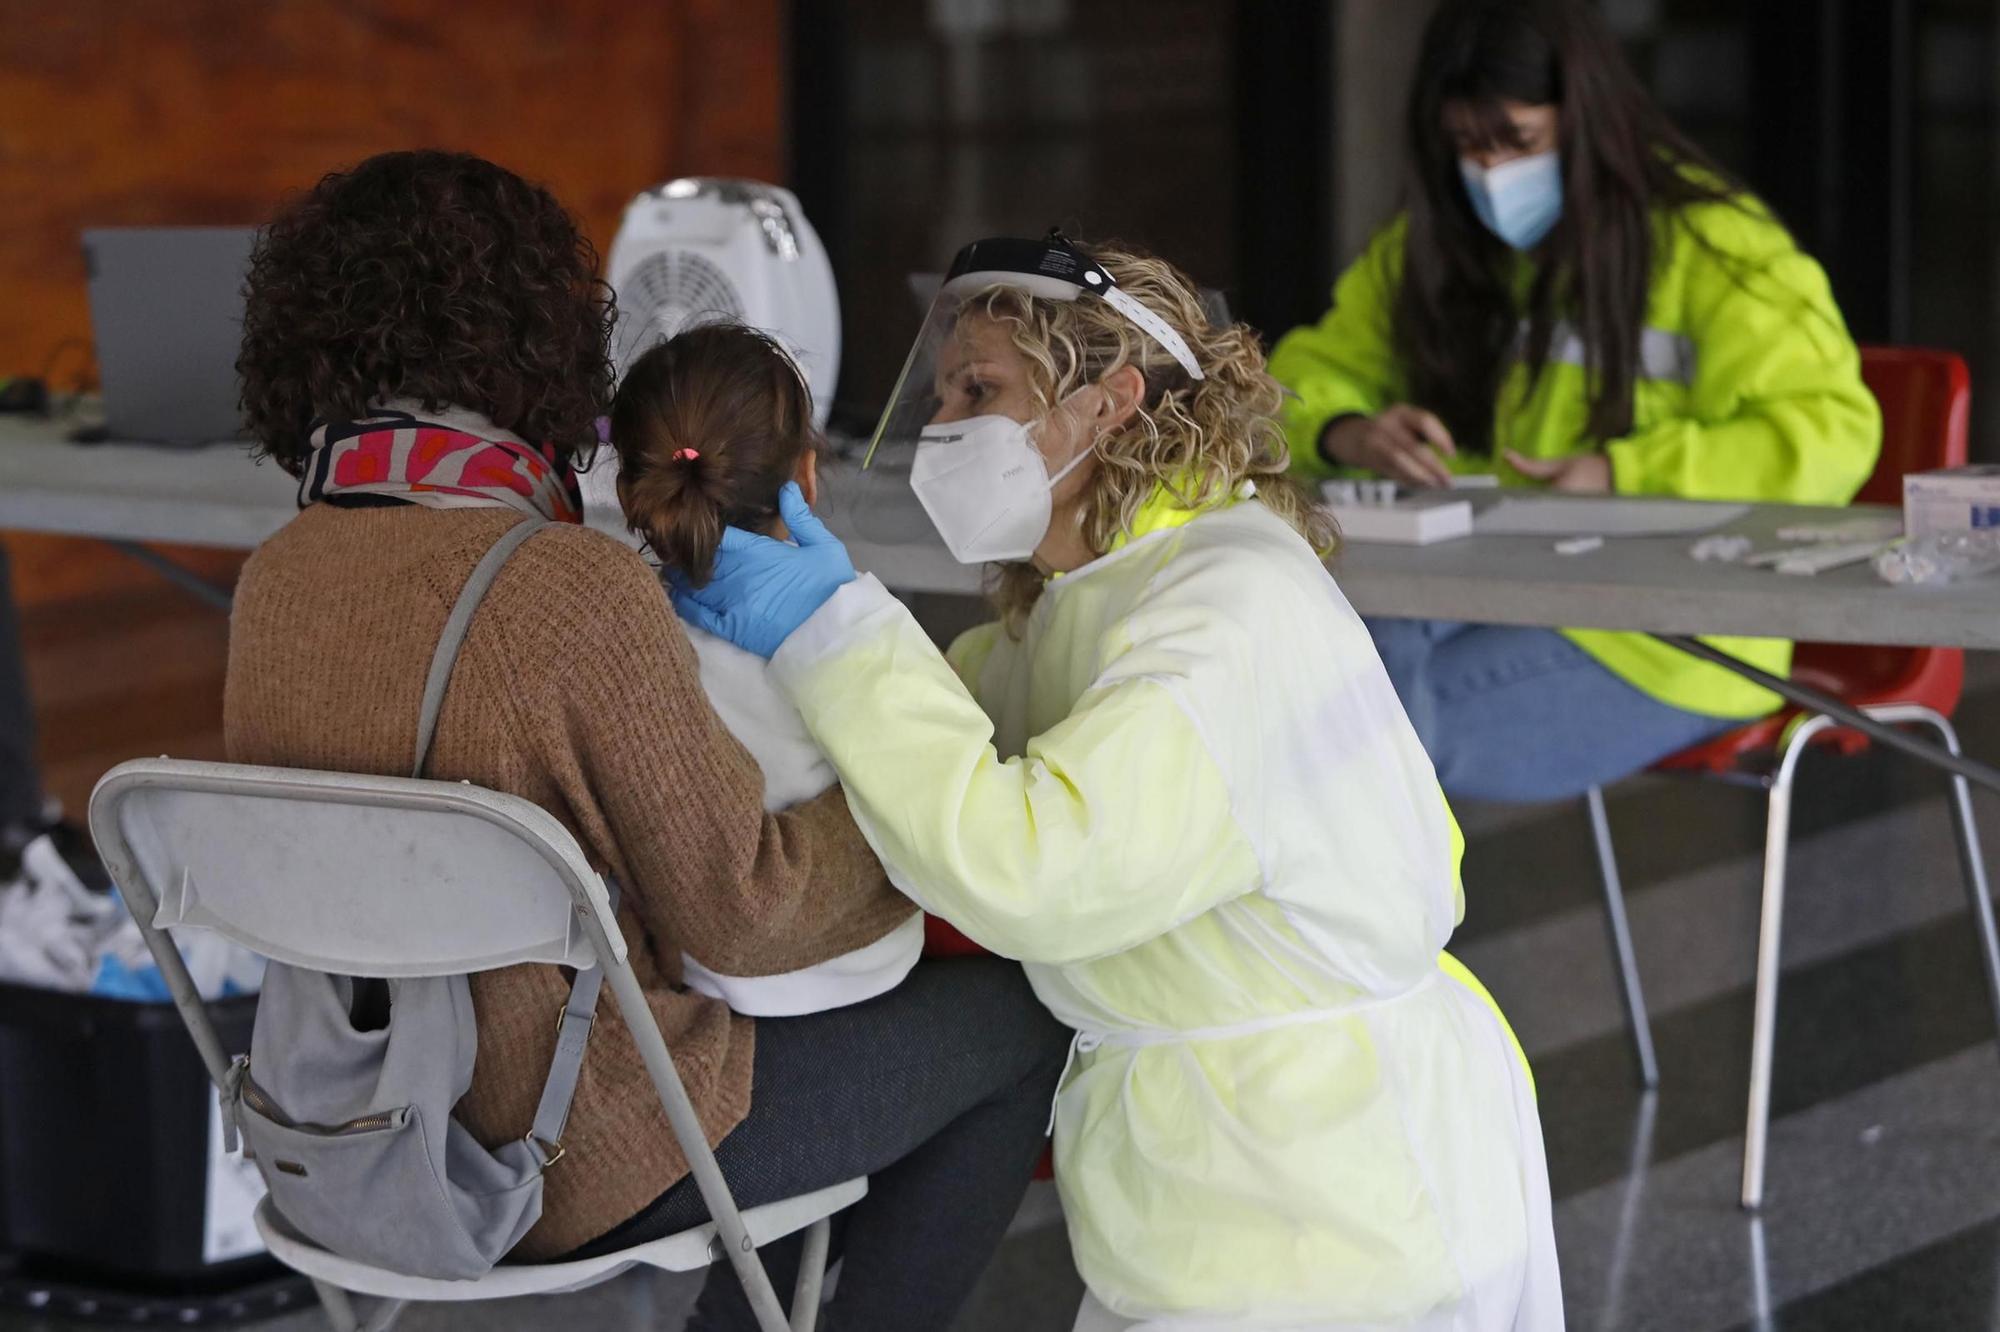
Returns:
(216, 496)
(1652, 585)
(127, 494)
(1647, 585)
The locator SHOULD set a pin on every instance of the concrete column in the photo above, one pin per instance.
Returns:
(1375, 52)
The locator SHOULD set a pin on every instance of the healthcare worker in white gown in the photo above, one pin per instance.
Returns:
(1175, 782)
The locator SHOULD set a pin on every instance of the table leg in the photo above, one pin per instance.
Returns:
(1812, 700)
(20, 783)
(185, 579)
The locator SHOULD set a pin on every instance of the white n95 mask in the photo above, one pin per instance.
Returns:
(985, 487)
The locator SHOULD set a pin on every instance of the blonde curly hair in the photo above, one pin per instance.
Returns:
(1199, 439)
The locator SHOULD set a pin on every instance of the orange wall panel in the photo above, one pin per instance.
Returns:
(163, 112)
(115, 112)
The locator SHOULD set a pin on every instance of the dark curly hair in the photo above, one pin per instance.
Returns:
(429, 275)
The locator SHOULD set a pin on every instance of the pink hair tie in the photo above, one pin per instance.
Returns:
(686, 455)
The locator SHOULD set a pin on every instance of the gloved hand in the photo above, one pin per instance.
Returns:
(764, 589)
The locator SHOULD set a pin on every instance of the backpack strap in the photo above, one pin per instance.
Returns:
(579, 1015)
(477, 584)
(573, 1029)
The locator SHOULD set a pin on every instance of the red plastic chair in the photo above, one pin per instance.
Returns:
(1926, 402)
(1926, 399)
(942, 939)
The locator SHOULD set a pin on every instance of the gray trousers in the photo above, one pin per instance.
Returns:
(939, 1092)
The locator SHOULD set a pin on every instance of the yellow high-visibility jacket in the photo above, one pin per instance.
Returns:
(1749, 388)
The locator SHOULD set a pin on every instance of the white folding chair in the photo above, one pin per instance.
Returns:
(390, 876)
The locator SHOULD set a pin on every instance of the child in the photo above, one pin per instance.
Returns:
(709, 426)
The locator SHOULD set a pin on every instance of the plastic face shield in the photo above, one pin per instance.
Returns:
(1052, 269)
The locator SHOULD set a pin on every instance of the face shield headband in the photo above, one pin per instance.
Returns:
(1052, 269)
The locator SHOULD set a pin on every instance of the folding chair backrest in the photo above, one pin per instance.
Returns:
(388, 877)
(365, 876)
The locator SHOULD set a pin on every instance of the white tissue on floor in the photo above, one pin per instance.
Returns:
(56, 934)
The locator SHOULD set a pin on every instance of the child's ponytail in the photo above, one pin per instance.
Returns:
(709, 426)
(679, 505)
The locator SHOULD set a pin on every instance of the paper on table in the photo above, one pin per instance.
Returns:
(1557, 516)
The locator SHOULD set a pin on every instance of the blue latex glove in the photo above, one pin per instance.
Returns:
(763, 589)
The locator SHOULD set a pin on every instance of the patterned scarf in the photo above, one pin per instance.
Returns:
(448, 459)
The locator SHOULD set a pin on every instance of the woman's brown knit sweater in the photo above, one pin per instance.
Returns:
(575, 689)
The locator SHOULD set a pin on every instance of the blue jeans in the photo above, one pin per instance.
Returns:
(1517, 714)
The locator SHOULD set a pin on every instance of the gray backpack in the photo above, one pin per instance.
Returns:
(345, 1100)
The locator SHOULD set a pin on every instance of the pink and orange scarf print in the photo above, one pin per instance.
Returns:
(446, 459)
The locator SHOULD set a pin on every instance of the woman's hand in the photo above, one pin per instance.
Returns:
(1582, 474)
(764, 589)
(1402, 442)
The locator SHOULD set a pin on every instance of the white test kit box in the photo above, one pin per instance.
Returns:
(1954, 499)
(1386, 517)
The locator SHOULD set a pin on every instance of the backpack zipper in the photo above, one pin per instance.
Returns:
(259, 1101)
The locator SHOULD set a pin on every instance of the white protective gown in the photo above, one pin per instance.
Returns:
(1188, 799)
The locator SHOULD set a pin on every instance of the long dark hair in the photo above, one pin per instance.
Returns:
(1457, 327)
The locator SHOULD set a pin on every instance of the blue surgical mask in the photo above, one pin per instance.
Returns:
(1521, 200)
